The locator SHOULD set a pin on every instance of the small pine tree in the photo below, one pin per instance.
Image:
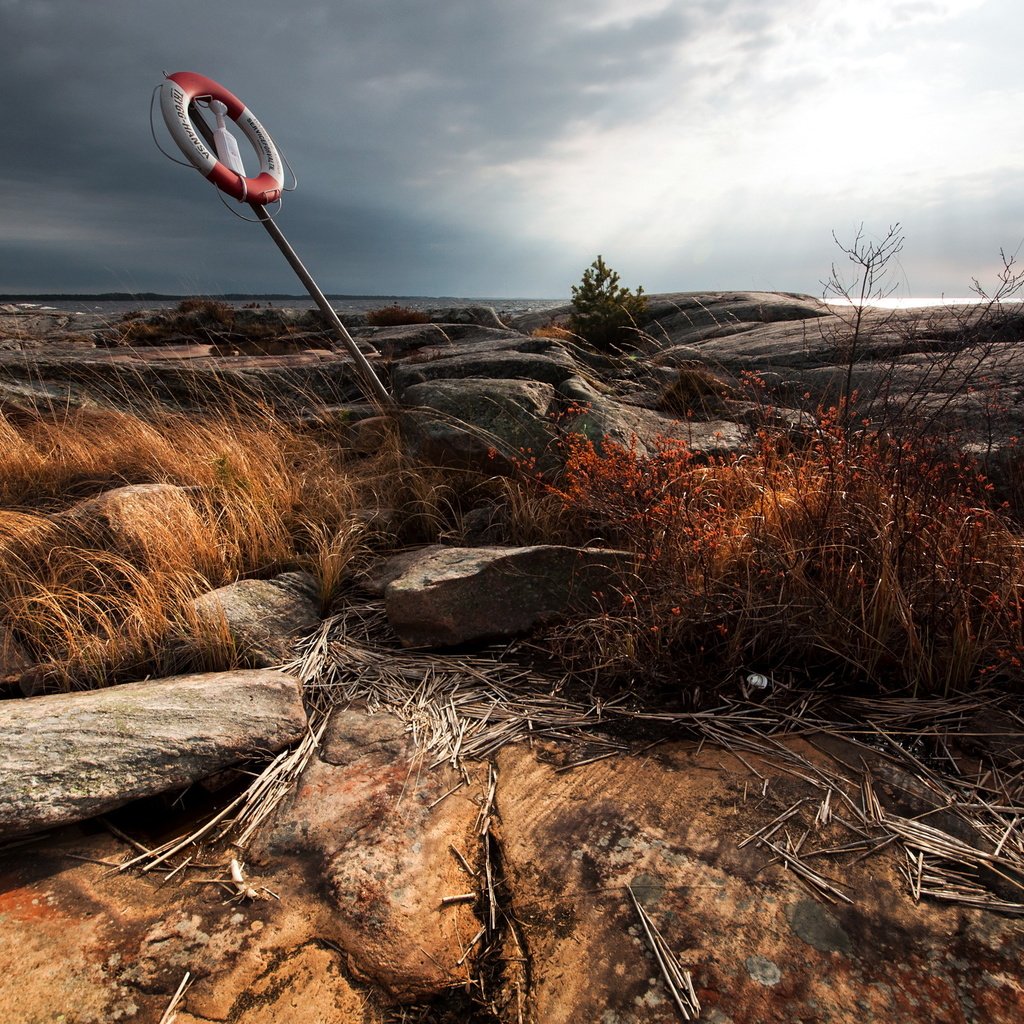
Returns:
(602, 309)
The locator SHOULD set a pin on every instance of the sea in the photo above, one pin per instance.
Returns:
(114, 307)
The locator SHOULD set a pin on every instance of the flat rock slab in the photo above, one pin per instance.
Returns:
(67, 757)
(760, 947)
(452, 596)
(500, 365)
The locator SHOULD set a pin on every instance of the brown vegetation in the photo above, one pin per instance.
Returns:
(396, 316)
(553, 331)
(97, 599)
(870, 558)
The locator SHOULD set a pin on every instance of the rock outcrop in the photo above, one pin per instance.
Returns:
(398, 878)
(449, 596)
(602, 419)
(371, 829)
(479, 423)
(760, 946)
(384, 872)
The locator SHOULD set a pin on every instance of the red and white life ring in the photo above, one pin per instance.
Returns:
(175, 95)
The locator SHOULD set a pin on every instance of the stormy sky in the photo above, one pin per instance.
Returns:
(484, 148)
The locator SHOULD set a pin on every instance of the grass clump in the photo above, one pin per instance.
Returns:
(875, 561)
(97, 590)
(193, 317)
(553, 331)
(396, 316)
(695, 389)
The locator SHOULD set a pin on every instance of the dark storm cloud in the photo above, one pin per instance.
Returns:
(367, 98)
(402, 119)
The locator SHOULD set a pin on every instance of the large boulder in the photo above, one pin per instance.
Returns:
(67, 757)
(136, 515)
(602, 418)
(452, 596)
(527, 360)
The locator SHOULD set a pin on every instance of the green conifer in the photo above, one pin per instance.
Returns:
(603, 309)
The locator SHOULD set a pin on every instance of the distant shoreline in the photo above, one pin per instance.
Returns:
(908, 302)
(234, 297)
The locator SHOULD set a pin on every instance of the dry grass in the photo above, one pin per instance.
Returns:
(95, 590)
(882, 561)
(554, 331)
(396, 316)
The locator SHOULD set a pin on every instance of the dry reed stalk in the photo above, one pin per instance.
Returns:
(273, 784)
(464, 864)
(678, 981)
(464, 897)
(472, 943)
(250, 809)
(767, 831)
(457, 708)
(823, 886)
(170, 1015)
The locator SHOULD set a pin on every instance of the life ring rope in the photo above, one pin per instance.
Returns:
(184, 87)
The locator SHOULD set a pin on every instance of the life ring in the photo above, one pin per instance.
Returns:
(182, 88)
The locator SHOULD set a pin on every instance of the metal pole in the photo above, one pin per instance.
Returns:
(372, 381)
(377, 390)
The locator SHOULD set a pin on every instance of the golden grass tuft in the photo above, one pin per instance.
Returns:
(554, 331)
(97, 589)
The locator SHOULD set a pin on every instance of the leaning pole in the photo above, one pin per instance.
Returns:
(214, 153)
